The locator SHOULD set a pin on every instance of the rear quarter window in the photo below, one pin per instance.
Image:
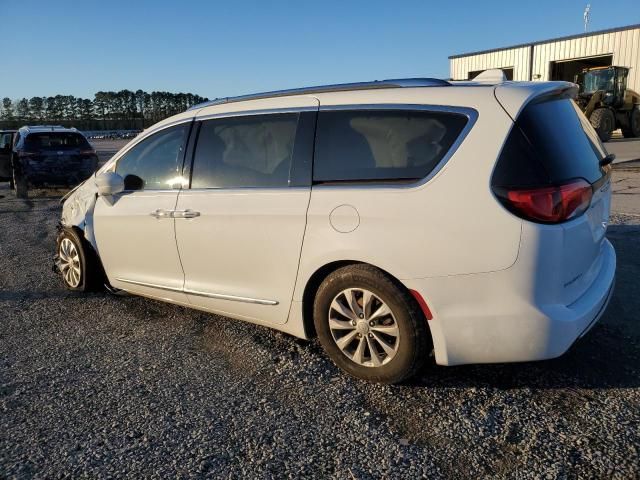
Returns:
(382, 145)
(550, 142)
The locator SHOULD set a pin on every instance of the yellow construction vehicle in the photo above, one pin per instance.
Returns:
(607, 102)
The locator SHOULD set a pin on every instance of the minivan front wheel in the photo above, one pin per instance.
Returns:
(370, 325)
(75, 262)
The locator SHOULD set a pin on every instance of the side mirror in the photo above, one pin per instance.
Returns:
(109, 183)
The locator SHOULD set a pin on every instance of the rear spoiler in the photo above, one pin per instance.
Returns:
(514, 96)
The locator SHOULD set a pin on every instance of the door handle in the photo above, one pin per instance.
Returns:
(160, 213)
(185, 214)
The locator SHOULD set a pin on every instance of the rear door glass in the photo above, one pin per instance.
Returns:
(252, 151)
(382, 145)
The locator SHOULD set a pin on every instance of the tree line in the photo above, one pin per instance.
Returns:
(107, 111)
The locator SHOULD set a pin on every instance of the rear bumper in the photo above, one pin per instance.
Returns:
(58, 179)
(63, 174)
(494, 318)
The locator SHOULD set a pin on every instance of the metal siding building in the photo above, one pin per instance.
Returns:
(558, 58)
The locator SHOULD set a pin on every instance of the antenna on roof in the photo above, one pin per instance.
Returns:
(586, 16)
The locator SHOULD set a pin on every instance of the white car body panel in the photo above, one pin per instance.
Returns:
(500, 288)
(138, 250)
(422, 230)
(245, 243)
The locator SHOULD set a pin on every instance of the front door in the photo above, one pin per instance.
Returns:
(135, 230)
(244, 217)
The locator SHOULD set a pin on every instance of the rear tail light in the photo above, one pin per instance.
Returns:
(548, 204)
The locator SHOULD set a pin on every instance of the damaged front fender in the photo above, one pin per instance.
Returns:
(77, 209)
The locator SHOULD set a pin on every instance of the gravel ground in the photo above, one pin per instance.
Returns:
(104, 386)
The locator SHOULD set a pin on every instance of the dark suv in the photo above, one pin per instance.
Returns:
(50, 156)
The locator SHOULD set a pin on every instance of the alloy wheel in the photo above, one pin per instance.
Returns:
(364, 327)
(69, 263)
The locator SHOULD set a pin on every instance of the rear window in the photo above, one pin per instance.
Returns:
(55, 140)
(551, 142)
(373, 145)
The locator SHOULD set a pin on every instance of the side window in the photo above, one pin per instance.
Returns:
(252, 151)
(5, 141)
(382, 145)
(156, 162)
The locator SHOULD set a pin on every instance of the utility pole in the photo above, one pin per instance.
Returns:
(586, 15)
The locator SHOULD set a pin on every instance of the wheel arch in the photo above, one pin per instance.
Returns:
(321, 273)
(91, 254)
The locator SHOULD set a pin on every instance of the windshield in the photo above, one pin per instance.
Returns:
(598, 80)
(56, 140)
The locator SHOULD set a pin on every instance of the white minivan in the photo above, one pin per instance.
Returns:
(395, 220)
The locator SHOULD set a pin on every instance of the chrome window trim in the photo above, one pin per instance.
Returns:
(219, 296)
(231, 189)
(232, 298)
(150, 285)
(252, 113)
(471, 114)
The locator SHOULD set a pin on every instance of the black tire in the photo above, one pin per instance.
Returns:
(633, 130)
(20, 185)
(604, 122)
(414, 340)
(90, 274)
(11, 185)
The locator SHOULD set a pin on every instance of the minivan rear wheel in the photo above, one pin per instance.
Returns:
(369, 325)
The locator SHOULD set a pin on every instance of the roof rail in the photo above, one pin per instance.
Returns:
(46, 127)
(42, 126)
(339, 87)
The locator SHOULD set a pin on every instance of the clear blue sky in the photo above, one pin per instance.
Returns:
(215, 48)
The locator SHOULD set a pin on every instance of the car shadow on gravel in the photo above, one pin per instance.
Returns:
(17, 295)
(607, 357)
